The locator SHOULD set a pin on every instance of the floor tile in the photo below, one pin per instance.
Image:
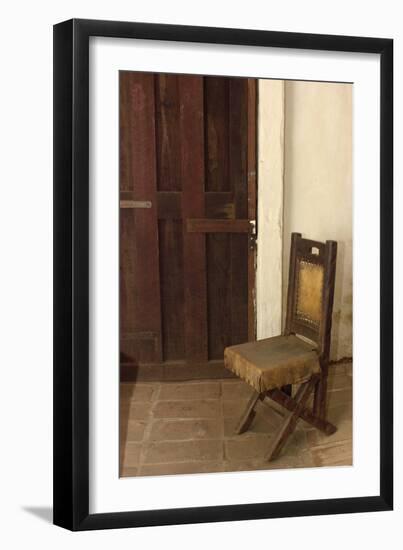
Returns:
(131, 454)
(234, 389)
(129, 472)
(246, 445)
(132, 430)
(185, 429)
(181, 468)
(333, 454)
(139, 392)
(234, 407)
(198, 408)
(188, 428)
(190, 390)
(343, 433)
(170, 451)
(134, 410)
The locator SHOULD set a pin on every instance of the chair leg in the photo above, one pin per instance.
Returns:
(320, 397)
(291, 419)
(306, 414)
(249, 414)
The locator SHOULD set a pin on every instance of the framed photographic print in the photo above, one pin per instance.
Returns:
(223, 318)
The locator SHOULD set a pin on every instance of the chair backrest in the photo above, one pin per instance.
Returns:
(311, 290)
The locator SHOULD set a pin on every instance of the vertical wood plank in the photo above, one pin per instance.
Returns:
(238, 151)
(219, 275)
(172, 288)
(238, 144)
(216, 111)
(168, 150)
(192, 174)
(139, 258)
(216, 90)
(167, 132)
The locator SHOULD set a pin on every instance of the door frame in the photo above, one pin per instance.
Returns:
(269, 260)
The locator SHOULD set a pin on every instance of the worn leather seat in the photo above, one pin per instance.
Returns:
(273, 362)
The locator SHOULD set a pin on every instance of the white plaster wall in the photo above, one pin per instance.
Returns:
(269, 272)
(318, 185)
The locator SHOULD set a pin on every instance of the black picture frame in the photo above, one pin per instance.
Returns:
(71, 274)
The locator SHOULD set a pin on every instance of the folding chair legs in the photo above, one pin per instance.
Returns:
(306, 414)
(249, 414)
(296, 408)
(291, 419)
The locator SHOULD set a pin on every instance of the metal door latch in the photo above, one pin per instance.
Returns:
(252, 234)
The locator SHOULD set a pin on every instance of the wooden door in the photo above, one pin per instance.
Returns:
(187, 211)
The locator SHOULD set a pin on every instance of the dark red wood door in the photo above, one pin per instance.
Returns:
(187, 197)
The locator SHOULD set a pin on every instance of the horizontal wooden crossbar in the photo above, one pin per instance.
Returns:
(217, 204)
(135, 204)
(203, 225)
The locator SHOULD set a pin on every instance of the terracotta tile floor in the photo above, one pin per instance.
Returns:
(188, 427)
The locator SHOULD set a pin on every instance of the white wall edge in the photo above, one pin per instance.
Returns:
(269, 274)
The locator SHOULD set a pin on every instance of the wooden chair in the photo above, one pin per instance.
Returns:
(300, 356)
